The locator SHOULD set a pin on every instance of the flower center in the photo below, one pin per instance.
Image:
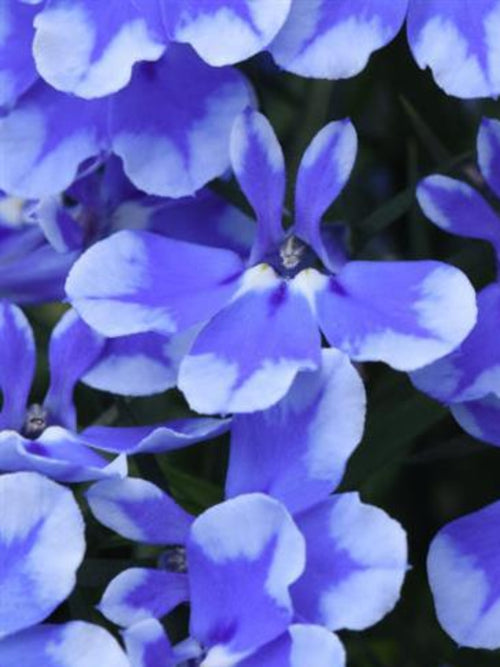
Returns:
(35, 421)
(174, 559)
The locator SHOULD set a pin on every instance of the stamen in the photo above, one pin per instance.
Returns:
(174, 559)
(36, 421)
(291, 252)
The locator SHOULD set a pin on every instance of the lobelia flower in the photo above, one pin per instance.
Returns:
(263, 315)
(172, 150)
(42, 544)
(468, 379)
(463, 568)
(313, 38)
(284, 463)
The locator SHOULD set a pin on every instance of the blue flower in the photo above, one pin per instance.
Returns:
(264, 314)
(279, 544)
(468, 379)
(42, 544)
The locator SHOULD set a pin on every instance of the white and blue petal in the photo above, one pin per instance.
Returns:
(139, 511)
(139, 593)
(17, 364)
(148, 645)
(259, 165)
(58, 454)
(334, 40)
(73, 348)
(464, 570)
(356, 564)
(406, 314)
(480, 418)
(248, 355)
(138, 365)
(164, 437)
(17, 69)
(296, 647)
(324, 170)
(65, 645)
(157, 284)
(296, 451)
(183, 140)
(248, 550)
(488, 152)
(472, 371)
(457, 208)
(458, 42)
(42, 544)
(223, 32)
(46, 136)
(88, 48)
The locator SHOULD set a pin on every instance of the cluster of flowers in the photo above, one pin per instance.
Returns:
(113, 118)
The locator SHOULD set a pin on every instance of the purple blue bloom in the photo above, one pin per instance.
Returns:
(264, 314)
(284, 463)
(468, 379)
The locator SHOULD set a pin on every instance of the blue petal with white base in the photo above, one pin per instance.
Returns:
(296, 646)
(139, 511)
(404, 313)
(148, 645)
(296, 451)
(251, 546)
(480, 418)
(248, 355)
(324, 170)
(17, 364)
(225, 31)
(356, 564)
(458, 42)
(158, 284)
(318, 37)
(139, 593)
(64, 645)
(464, 572)
(472, 371)
(42, 544)
(259, 165)
(89, 48)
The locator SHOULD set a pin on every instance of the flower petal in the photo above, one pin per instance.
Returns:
(139, 511)
(473, 369)
(323, 172)
(245, 549)
(157, 284)
(183, 140)
(458, 43)
(356, 563)
(46, 136)
(148, 645)
(259, 165)
(248, 355)
(57, 646)
(74, 347)
(139, 593)
(480, 418)
(42, 543)
(296, 647)
(334, 40)
(88, 49)
(407, 314)
(158, 438)
(17, 364)
(488, 152)
(457, 208)
(463, 568)
(297, 450)
(224, 32)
